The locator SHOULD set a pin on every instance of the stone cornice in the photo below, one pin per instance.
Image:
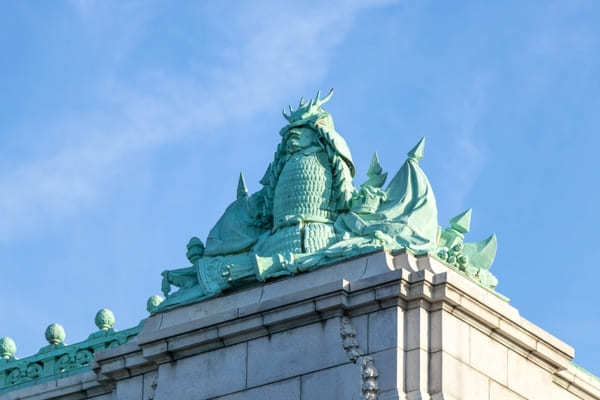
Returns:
(385, 281)
(352, 288)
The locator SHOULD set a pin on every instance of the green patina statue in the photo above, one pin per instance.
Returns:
(308, 214)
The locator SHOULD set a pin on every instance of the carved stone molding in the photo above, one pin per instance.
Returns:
(369, 373)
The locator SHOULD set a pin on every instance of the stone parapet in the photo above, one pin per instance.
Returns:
(401, 326)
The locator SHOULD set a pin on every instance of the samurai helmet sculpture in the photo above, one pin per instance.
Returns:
(308, 111)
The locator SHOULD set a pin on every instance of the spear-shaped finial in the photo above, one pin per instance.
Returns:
(242, 190)
(418, 151)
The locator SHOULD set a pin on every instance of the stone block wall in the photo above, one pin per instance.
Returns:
(427, 332)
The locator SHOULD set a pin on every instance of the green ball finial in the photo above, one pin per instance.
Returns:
(8, 348)
(55, 334)
(153, 302)
(105, 319)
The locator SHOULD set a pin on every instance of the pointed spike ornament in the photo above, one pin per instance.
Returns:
(316, 101)
(462, 222)
(418, 151)
(325, 99)
(242, 190)
(375, 173)
(375, 166)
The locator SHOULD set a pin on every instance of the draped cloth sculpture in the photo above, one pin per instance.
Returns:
(308, 214)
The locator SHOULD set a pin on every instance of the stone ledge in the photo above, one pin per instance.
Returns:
(356, 287)
(279, 290)
(83, 385)
(499, 315)
(106, 354)
(578, 383)
(376, 283)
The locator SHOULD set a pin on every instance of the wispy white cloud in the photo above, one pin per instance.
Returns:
(466, 158)
(278, 48)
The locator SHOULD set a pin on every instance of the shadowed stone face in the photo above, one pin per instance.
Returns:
(300, 138)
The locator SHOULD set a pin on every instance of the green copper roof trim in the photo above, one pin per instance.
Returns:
(586, 372)
(58, 360)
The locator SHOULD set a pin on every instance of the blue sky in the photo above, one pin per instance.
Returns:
(124, 126)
